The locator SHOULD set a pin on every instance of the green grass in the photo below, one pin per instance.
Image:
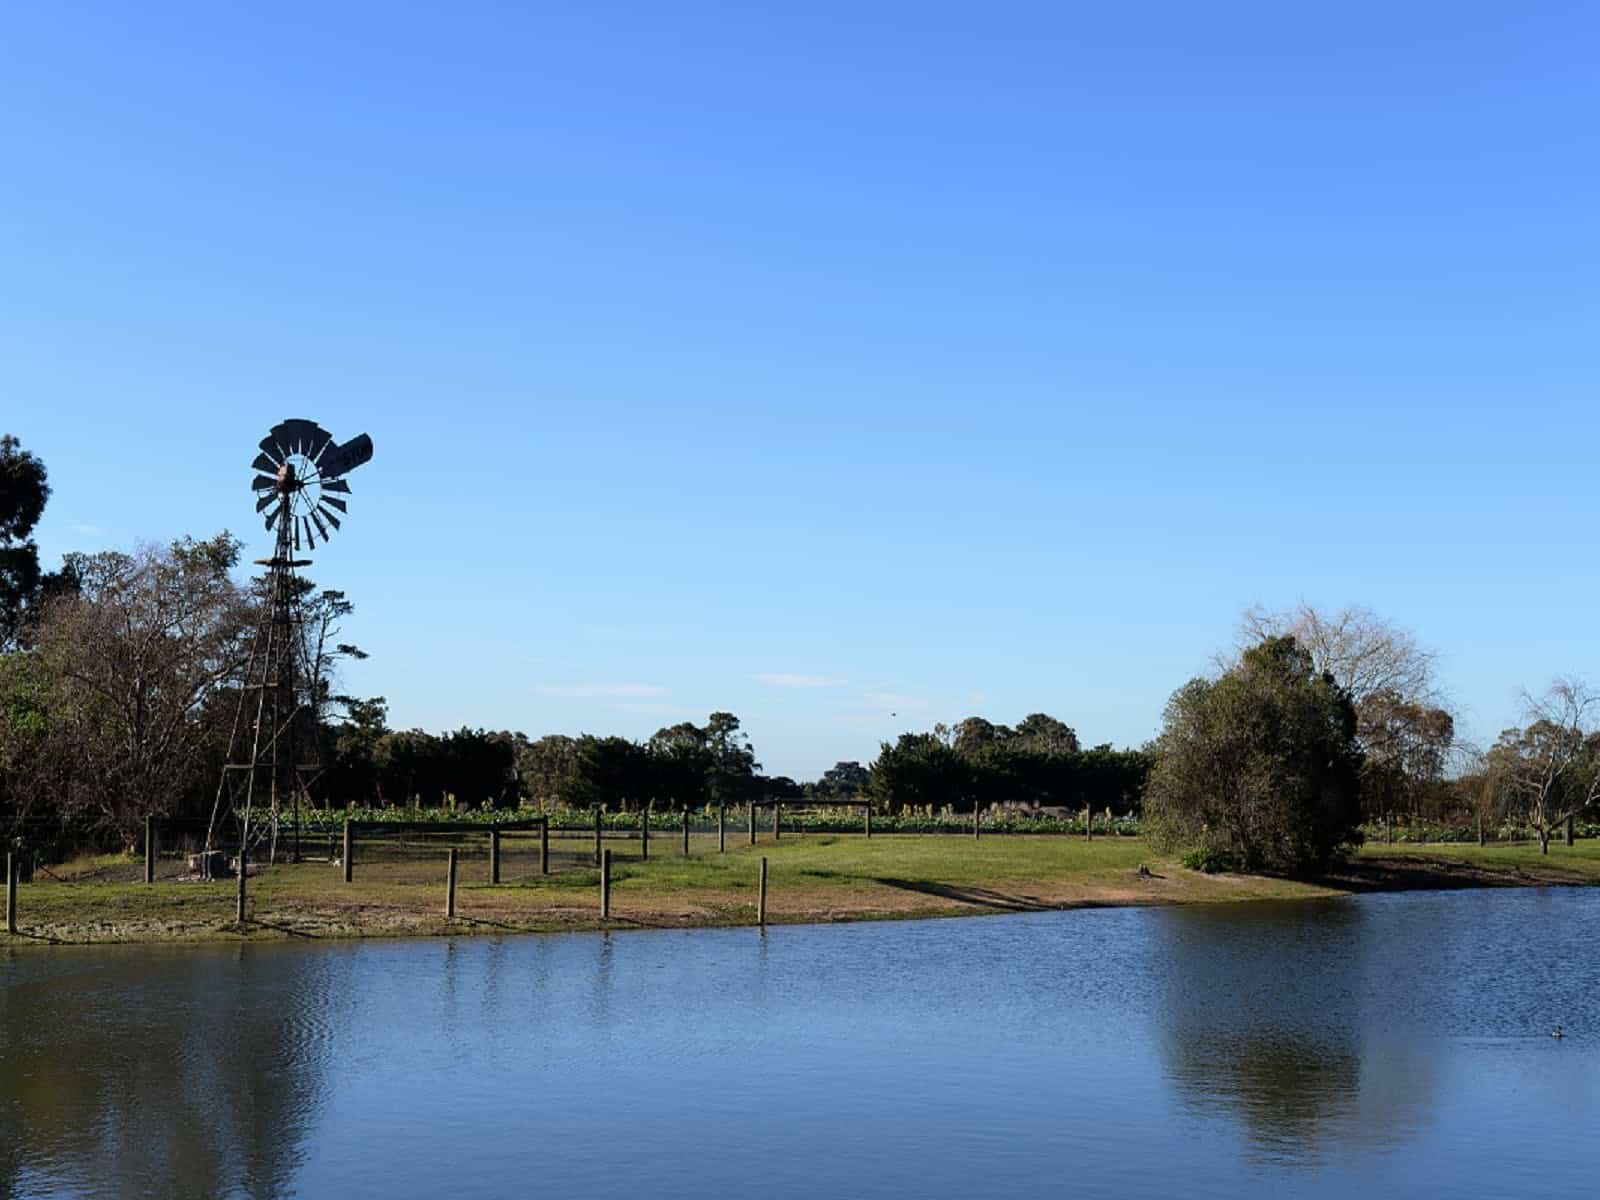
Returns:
(816, 877)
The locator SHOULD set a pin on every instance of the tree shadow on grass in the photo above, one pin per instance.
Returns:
(38, 937)
(981, 897)
(1401, 874)
(291, 931)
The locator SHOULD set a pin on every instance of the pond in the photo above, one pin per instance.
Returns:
(1392, 1045)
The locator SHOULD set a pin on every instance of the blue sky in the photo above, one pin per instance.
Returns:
(825, 362)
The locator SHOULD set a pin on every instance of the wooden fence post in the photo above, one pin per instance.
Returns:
(1569, 829)
(11, 891)
(605, 884)
(450, 884)
(777, 820)
(494, 856)
(597, 835)
(544, 845)
(752, 822)
(977, 819)
(644, 832)
(686, 831)
(761, 902)
(1111, 827)
(244, 870)
(869, 819)
(349, 850)
(150, 848)
(722, 829)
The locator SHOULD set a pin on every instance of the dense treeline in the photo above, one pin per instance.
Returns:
(978, 764)
(121, 676)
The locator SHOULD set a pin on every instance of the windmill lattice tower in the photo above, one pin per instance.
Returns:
(271, 760)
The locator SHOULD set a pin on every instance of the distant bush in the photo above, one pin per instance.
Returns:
(1458, 832)
(1211, 861)
(796, 818)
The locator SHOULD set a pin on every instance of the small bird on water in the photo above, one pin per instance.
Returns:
(1557, 1032)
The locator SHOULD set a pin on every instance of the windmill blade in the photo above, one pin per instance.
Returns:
(272, 518)
(295, 525)
(266, 500)
(311, 539)
(273, 451)
(264, 463)
(316, 519)
(329, 518)
(336, 485)
(335, 503)
(263, 481)
(301, 436)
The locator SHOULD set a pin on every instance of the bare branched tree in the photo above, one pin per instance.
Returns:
(1404, 725)
(1551, 766)
(130, 667)
(1365, 653)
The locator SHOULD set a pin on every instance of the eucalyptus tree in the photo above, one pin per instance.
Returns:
(1551, 766)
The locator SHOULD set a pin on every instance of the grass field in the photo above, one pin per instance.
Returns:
(813, 878)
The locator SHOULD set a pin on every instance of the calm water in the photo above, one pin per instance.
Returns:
(1386, 1046)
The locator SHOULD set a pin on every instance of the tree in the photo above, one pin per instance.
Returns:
(682, 764)
(132, 667)
(547, 766)
(1260, 766)
(918, 769)
(974, 734)
(31, 763)
(1552, 765)
(1365, 653)
(411, 768)
(321, 653)
(355, 742)
(24, 489)
(1404, 726)
(610, 770)
(779, 787)
(733, 759)
(1043, 733)
(478, 766)
(843, 779)
(1406, 748)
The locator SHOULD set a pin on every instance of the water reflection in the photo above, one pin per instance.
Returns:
(213, 1097)
(1268, 1018)
(1246, 1050)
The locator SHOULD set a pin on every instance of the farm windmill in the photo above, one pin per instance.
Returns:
(302, 493)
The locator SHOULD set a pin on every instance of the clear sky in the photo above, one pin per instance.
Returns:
(848, 366)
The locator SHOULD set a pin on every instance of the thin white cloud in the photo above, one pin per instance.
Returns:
(786, 680)
(895, 701)
(590, 691)
(864, 721)
(656, 709)
(86, 529)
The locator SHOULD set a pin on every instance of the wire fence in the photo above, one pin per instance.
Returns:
(510, 846)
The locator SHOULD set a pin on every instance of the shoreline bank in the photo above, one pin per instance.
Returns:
(814, 880)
